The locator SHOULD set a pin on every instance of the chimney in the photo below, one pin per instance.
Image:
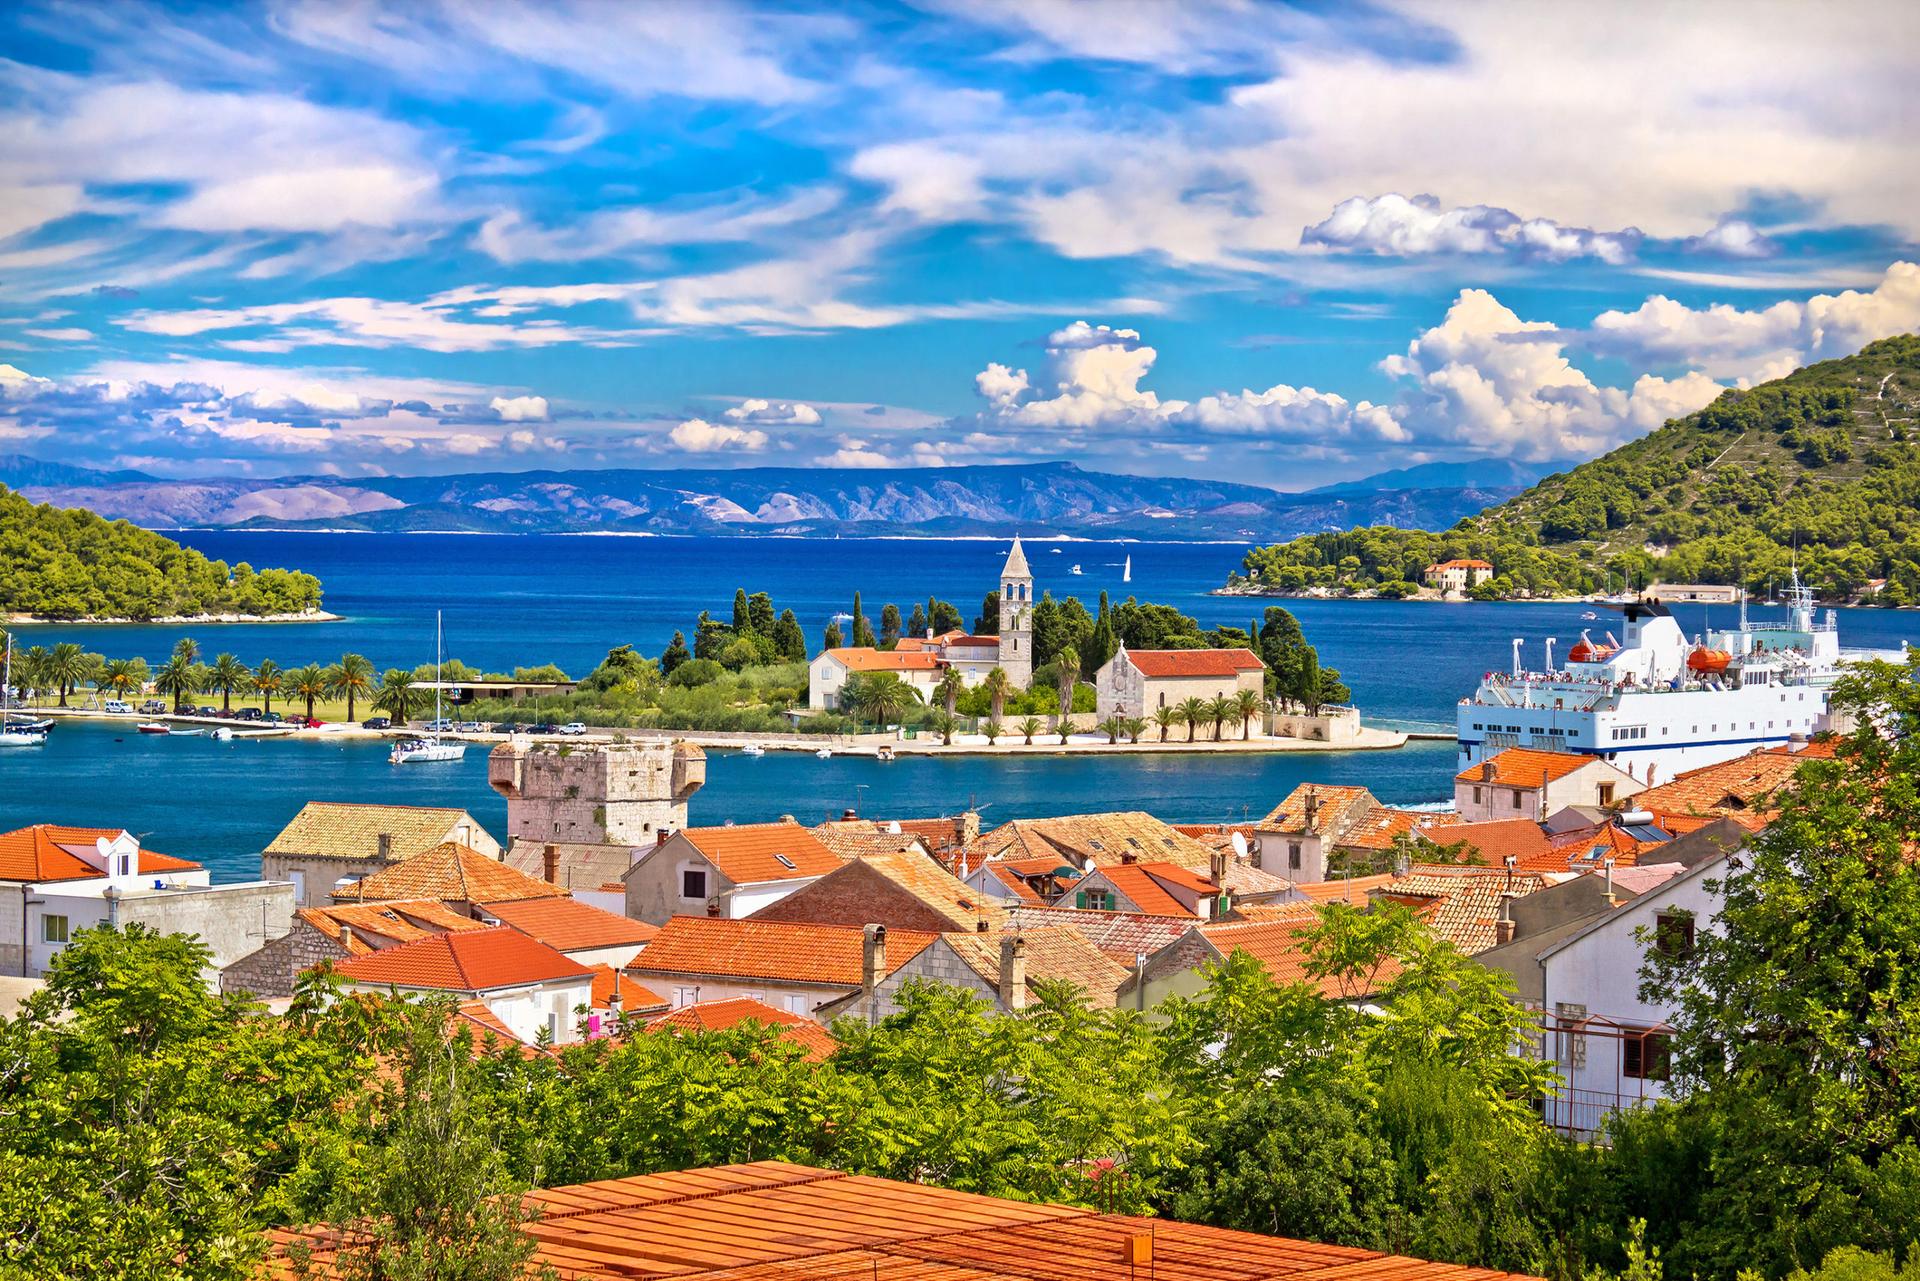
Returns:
(346, 937)
(1013, 972)
(613, 1001)
(1487, 772)
(713, 906)
(550, 863)
(1313, 807)
(966, 827)
(848, 815)
(873, 957)
(1609, 866)
(980, 926)
(383, 847)
(1505, 929)
(1217, 867)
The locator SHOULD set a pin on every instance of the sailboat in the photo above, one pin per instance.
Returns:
(16, 733)
(1126, 571)
(429, 747)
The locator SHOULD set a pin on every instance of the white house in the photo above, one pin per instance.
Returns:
(1457, 575)
(827, 674)
(1522, 782)
(528, 986)
(1138, 682)
(1610, 1045)
(731, 871)
(60, 880)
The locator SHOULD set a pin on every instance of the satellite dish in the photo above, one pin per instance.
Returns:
(1239, 845)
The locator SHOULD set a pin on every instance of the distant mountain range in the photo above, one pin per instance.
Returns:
(1037, 499)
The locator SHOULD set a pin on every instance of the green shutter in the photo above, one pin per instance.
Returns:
(1080, 898)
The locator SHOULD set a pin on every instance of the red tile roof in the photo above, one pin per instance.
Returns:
(883, 660)
(481, 961)
(1278, 947)
(1525, 767)
(751, 852)
(1459, 564)
(44, 852)
(451, 873)
(400, 922)
(774, 1220)
(1148, 886)
(1734, 789)
(635, 997)
(718, 1016)
(1494, 840)
(570, 925)
(1162, 664)
(779, 950)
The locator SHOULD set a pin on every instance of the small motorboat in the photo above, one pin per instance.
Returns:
(884, 752)
(221, 735)
(753, 749)
(154, 727)
(824, 753)
(1075, 570)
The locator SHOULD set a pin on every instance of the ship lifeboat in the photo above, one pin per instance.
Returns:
(1708, 662)
(1586, 651)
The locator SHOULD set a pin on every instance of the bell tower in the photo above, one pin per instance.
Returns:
(1016, 617)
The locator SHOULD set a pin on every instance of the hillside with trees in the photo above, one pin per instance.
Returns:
(1823, 464)
(65, 564)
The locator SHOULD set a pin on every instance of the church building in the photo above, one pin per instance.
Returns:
(921, 661)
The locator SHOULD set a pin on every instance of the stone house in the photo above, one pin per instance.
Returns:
(1457, 575)
(1521, 782)
(1001, 967)
(329, 842)
(578, 814)
(904, 890)
(334, 934)
(827, 674)
(57, 880)
(450, 873)
(1138, 682)
(731, 871)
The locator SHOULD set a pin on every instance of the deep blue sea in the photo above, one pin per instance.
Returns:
(524, 600)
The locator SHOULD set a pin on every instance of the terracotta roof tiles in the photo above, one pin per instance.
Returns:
(402, 922)
(1179, 664)
(450, 873)
(1060, 955)
(481, 961)
(750, 852)
(570, 925)
(1277, 945)
(45, 852)
(1526, 767)
(774, 950)
(635, 997)
(719, 1016)
(886, 660)
(1731, 789)
(349, 830)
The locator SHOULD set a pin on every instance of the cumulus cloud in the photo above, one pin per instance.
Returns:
(698, 436)
(773, 413)
(520, 409)
(1732, 238)
(1493, 383)
(1299, 413)
(1734, 341)
(1403, 226)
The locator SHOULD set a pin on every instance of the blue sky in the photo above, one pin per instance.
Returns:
(1284, 244)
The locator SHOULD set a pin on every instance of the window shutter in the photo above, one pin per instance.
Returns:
(1080, 898)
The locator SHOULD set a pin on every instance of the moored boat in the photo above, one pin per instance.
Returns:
(427, 748)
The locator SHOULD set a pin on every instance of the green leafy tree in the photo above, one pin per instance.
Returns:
(351, 678)
(1194, 712)
(949, 689)
(123, 677)
(268, 680)
(788, 640)
(997, 685)
(187, 649)
(831, 638)
(878, 698)
(675, 654)
(889, 625)
(310, 683)
(944, 724)
(1247, 709)
(862, 630)
(1222, 711)
(1028, 727)
(67, 668)
(1113, 727)
(396, 696)
(1166, 718)
(993, 729)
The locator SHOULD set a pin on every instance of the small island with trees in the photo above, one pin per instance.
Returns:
(73, 566)
(1821, 467)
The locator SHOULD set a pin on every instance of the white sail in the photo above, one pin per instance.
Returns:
(1126, 571)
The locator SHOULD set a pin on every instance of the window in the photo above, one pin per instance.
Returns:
(1099, 901)
(53, 929)
(685, 996)
(1673, 934)
(1606, 793)
(787, 863)
(693, 882)
(1476, 796)
(1293, 855)
(1516, 798)
(1645, 1056)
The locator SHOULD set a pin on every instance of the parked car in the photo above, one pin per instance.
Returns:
(377, 722)
(471, 727)
(154, 707)
(574, 727)
(272, 718)
(247, 714)
(441, 726)
(208, 710)
(116, 707)
(308, 722)
(543, 728)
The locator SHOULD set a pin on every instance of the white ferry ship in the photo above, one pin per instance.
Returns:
(1656, 704)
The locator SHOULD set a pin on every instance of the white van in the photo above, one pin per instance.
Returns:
(117, 707)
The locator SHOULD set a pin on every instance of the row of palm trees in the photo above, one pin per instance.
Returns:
(65, 668)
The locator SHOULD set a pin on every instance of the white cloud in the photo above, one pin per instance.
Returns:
(855, 452)
(925, 180)
(520, 409)
(777, 413)
(508, 237)
(35, 205)
(364, 322)
(1733, 238)
(1395, 224)
(69, 334)
(1298, 413)
(1495, 384)
(307, 199)
(698, 436)
(1736, 342)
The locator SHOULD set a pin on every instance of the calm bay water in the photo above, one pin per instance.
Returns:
(526, 600)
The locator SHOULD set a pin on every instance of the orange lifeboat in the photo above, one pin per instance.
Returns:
(1708, 662)
(1586, 651)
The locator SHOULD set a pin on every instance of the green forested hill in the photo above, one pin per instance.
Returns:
(57, 563)
(1825, 461)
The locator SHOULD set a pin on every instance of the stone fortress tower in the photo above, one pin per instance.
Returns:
(1016, 617)
(595, 793)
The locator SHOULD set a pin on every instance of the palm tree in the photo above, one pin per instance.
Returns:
(944, 724)
(177, 678)
(951, 683)
(310, 682)
(226, 674)
(396, 695)
(1225, 711)
(993, 729)
(1250, 705)
(267, 680)
(1113, 727)
(1066, 671)
(997, 684)
(32, 668)
(1135, 728)
(67, 667)
(350, 678)
(877, 697)
(1193, 714)
(1029, 727)
(1166, 718)
(187, 648)
(122, 676)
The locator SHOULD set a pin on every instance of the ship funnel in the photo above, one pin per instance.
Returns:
(1517, 642)
(1550, 643)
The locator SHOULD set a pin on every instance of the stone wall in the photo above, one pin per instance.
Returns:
(314, 875)
(272, 970)
(232, 920)
(595, 794)
(1332, 725)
